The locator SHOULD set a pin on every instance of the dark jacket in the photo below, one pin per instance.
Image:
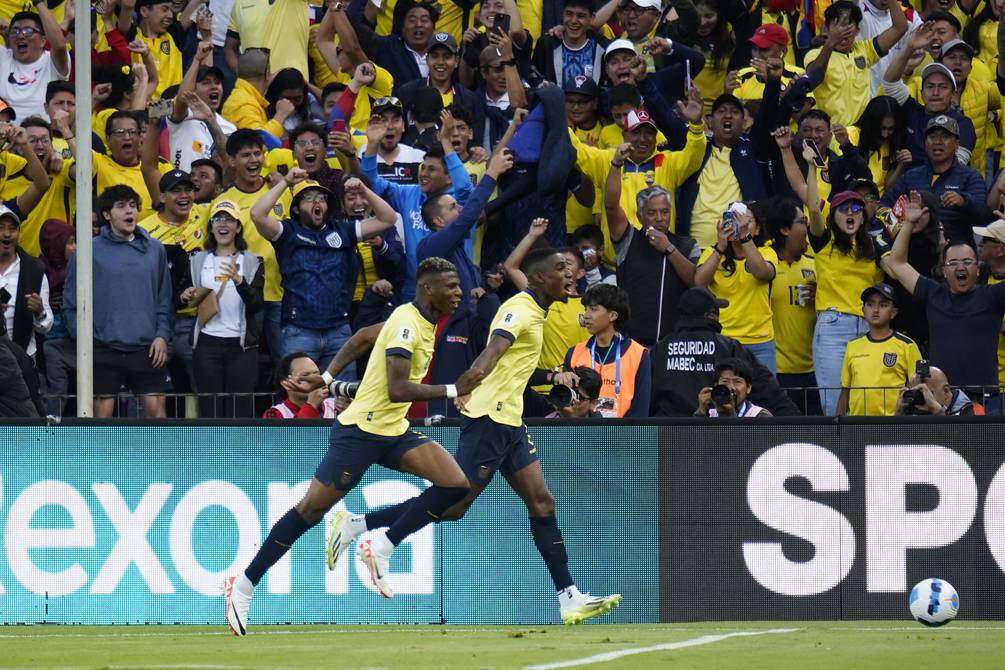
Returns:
(463, 97)
(389, 52)
(749, 160)
(29, 280)
(15, 398)
(957, 221)
(684, 361)
(663, 88)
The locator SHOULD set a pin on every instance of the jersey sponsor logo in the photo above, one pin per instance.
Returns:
(456, 339)
(307, 240)
(889, 360)
(334, 240)
(415, 218)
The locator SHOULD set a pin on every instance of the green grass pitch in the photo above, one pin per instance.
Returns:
(848, 645)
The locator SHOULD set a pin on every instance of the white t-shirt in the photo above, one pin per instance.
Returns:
(227, 322)
(221, 19)
(23, 85)
(191, 140)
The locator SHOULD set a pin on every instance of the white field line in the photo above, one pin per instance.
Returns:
(670, 646)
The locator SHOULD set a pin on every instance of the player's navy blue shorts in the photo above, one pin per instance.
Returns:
(352, 451)
(486, 446)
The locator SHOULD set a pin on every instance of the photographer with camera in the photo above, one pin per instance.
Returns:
(929, 394)
(575, 394)
(733, 383)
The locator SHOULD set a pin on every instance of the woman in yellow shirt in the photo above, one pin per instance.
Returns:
(846, 264)
(715, 42)
(739, 270)
(882, 141)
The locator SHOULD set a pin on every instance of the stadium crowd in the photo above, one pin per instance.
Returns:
(775, 207)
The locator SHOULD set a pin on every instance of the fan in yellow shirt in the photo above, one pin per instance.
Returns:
(736, 269)
(878, 364)
(847, 62)
(156, 16)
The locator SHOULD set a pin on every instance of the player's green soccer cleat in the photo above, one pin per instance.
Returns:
(586, 607)
(340, 537)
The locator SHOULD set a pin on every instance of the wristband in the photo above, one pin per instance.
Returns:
(327, 378)
(745, 239)
(669, 250)
(718, 251)
(618, 165)
(451, 390)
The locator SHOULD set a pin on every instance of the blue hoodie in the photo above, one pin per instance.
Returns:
(132, 291)
(407, 200)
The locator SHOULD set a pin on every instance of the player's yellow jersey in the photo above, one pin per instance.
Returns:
(500, 396)
(884, 365)
(407, 333)
(257, 244)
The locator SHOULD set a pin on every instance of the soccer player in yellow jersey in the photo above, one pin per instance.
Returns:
(878, 364)
(374, 430)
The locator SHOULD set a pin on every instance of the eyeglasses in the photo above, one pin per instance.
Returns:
(850, 208)
(26, 32)
(223, 220)
(39, 140)
(126, 132)
(313, 197)
(308, 144)
(961, 263)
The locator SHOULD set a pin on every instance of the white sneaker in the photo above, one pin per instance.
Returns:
(340, 537)
(379, 565)
(238, 605)
(584, 606)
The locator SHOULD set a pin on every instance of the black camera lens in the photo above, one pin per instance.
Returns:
(722, 395)
(562, 396)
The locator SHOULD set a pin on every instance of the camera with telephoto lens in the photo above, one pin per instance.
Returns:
(343, 389)
(914, 399)
(562, 396)
(722, 395)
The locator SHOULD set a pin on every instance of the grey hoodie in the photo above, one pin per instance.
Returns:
(132, 291)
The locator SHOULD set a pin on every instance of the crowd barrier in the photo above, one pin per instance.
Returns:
(139, 522)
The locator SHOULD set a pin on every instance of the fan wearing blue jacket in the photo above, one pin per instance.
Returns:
(440, 172)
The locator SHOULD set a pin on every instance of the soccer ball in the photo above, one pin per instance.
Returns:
(934, 602)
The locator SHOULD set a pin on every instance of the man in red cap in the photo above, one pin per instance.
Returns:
(769, 41)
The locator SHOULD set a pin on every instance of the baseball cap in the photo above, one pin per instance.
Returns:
(442, 39)
(173, 178)
(768, 34)
(228, 207)
(150, 3)
(206, 70)
(881, 288)
(727, 99)
(938, 68)
(864, 183)
(945, 122)
(386, 103)
(646, 4)
(307, 185)
(581, 85)
(619, 45)
(846, 196)
(490, 57)
(698, 301)
(5, 107)
(995, 229)
(638, 117)
(6, 211)
(957, 43)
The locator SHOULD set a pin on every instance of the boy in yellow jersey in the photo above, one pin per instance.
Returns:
(374, 430)
(156, 16)
(878, 364)
(493, 436)
(246, 151)
(58, 200)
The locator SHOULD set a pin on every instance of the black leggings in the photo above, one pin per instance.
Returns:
(223, 366)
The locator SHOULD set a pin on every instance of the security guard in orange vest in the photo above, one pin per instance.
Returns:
(622, 362)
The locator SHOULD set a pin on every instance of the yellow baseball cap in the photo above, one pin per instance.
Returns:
(228, 207)
(306, 185)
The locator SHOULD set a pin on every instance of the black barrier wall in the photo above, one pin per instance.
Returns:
(830, 521)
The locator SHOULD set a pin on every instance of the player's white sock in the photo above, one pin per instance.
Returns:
(380, 544)
(357, 525)
(244, 585)
(569, 595)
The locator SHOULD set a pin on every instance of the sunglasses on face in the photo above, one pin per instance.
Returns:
(850, 208)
